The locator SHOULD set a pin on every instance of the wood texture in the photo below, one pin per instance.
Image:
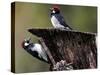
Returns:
(74, 47)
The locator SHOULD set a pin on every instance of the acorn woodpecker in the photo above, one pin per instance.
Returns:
(57, 19)
(35, 50)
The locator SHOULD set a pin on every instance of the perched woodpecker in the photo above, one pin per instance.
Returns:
(35, 50)
(57, 19)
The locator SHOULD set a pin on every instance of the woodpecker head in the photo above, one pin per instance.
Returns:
(55, 9)
(26, 43)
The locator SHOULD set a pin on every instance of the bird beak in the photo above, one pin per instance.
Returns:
(29, 38)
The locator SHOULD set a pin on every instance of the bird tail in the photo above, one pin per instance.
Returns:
(68, 28)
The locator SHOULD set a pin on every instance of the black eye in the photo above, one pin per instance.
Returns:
(27, 41)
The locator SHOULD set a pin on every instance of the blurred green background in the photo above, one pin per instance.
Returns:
(30, 15)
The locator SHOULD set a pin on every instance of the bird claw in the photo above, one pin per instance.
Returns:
(62, 65)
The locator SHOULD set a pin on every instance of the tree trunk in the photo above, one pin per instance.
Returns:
(77, 48)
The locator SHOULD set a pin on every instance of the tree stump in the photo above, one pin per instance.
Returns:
(77, 48)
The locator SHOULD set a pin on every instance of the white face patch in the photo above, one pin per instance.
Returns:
(53, 11)
(26, 44)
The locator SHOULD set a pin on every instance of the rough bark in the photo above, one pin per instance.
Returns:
(77, 48)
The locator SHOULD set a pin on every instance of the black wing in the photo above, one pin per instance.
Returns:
(62, 21)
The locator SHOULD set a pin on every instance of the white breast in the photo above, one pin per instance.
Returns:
(39, 49)
(56, 23)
